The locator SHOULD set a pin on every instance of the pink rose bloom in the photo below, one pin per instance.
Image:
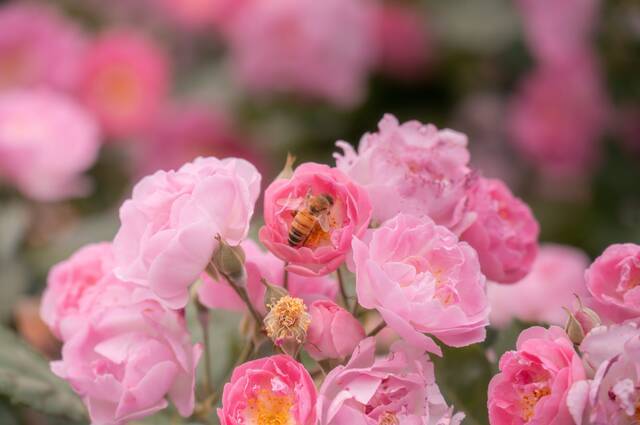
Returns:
(558, 30)
(185, 131)
(504, 233)
(168, 227)
(129, 356)
(323, 250)
(125, 81)
(322, 49)
(557, 275)
(67, 283)
(398, 389)
(404, 44)
(275, 388)
(614, 282)
(534, 380)
(260, 264)
(38, 46)
(46, 142)
(543, 125)
(411, 168)
(333, 333)
(613, 395)
(421, 279)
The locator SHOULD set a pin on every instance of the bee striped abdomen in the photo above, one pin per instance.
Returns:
(301, 227)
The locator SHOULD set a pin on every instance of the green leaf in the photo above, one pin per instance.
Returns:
(25, 378)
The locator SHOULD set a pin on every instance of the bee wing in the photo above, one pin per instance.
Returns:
(323, 221)
(290, 203)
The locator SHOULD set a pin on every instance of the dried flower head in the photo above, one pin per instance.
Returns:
(287, 320)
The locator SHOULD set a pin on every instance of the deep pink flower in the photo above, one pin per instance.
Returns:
(557, 275)
(125, 81)
(38, 46)
(411, 168)
(333, 332)
(534, 380)
(274, 388)
(613, 395)
(422, 280)
(404, 44)
(46, 142)
(399, 389)
(260, 264)
(322, 49)
(504, 232)
(68, 281)
(168, 227)
(128, 356)
(324, 250)
(543, 125)
(614, 282)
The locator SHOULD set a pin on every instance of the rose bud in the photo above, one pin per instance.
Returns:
(333, 333)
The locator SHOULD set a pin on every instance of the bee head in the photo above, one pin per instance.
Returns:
(328, 198)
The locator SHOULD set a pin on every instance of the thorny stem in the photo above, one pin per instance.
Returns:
(377, 329)
(343, 291)
(285, 284)
(242, 293)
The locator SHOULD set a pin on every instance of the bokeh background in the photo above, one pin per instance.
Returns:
(547, 91)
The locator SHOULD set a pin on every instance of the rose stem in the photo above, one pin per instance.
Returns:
(343, 292)
(377, 329)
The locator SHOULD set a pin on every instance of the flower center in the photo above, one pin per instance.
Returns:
(287, 318)
(388, 418)
(268, 408)
(529, 401)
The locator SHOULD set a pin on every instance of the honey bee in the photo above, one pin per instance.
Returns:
(310, 213)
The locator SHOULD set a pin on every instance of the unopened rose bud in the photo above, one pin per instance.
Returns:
(229, 261)
(287, 323)
(287, 171)
(581, 322)
(272, 293)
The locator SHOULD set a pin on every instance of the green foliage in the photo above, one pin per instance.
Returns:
(25, 378)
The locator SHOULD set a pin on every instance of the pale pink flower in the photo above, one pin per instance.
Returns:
(169, 226)
(613, 280)
(558, 30)
(411, 168)
(125, 81)
(543, 125)
(557, 275)
(129, 356)
(333, 332)
(421, 279)
(46, 142)
(258, 265)
(404, 44)
(188, 130)
(275, 388)
(613, 395)
(38, 46)
(504, 232)
(325, 249)
(321, 49)
(68, 281)
(399, 389)
(534, 380)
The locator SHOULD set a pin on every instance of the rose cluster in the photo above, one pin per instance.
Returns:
(405, 213)
(547, 380)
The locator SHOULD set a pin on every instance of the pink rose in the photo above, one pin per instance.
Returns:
(613, 395)
(168, 227)
(347, 216)
(421, 279)
(614, 282)
(534, 380)
(504, 233)
(38, 46)
(67, 283)
(557, 275)
(333, 332)
(46, 142)
(321, 49)
(411, 168)
(129, 356)
(275, 388)
(125, 81)
(399, 389)
(260, 264)
(404, 44)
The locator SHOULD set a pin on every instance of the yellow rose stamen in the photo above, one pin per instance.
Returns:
(530, 400)
(268, 408)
